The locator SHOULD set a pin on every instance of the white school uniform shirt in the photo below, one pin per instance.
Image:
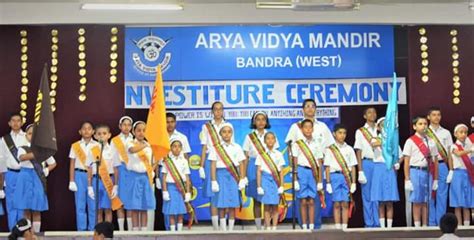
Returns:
(321, 134)
(315, 149)
(28, 164)
(205, 137)
(87, 148)
(417, 159)
(277, 158)
(457, 161)
(234, 151)
(348, 154)
(134, 162)
(250, 148)
(444, 137)
(107, 158)
(7, 160)
(176, 135)
(115, 154)
(378, 153)
(181, 165)
(363, 144)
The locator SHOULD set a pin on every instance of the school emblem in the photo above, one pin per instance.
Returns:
(150, 53)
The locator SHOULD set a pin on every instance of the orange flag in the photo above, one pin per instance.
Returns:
(156, 133)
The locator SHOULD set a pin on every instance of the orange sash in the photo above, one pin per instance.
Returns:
(146, 161)
(80, 154)
(120, 148)
(106, 180)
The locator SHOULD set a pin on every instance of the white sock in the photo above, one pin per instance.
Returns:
(274, 228)
(258, 223)
(129, 224)
(382, 222)
(417, 224)
(121, 222)
(268, 228)
(311, 226)
(215, 222)
(344, 226)
(223, 223)
(231, 224)
(37, 226)
(172, 228)
(466, 223)
(143, 229)
(338, 226)
(180, 227)
(305, 226)
(135, 229)
(389, 223)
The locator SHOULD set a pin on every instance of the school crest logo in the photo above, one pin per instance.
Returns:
(150, 53)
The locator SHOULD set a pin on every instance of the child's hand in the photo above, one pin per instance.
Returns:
(166, 196)
(297, 186)
(214, 186)
(408, 185)
(329, 188)
(260, 191)
(202, 173)
(435, 185)
(114, 191)
(353, 188)
(187, 197)
(72, 187)
(449, 178)
(362, 178)
(90, 192)
(319, 186)
(281, 190)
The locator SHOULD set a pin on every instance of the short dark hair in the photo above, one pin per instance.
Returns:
(368, 108)
(417, 118)
(268, 134)
(87, 122)
(171, 115)
(105, 228)
(338, 127)
(433, 109)
(214, 104)
(252, 121)
(307, 121)
(15, 114)
(102, 125)
(307, 101)
(448, 223)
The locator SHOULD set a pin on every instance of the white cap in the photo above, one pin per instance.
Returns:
(472, 119)
(226, 124)
(459, 126)
(380, 120)
(124, 118)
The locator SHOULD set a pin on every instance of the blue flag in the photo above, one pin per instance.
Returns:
(390, 135)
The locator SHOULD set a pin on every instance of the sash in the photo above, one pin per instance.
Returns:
(11, 146)
(80, 154)
(120, 148)
(471, 137)
(314, 167)
(345, 171)
(467, 162)
(213, 133)
(38, 168)
(367, 135)
(442, 151)
(146, 161)
(106, 180)
(181, 185)
(282, 205)
(222, 153)
(426, 152)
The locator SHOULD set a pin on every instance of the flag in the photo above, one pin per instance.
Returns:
(156, 133)
(390, 135)
(43, 141)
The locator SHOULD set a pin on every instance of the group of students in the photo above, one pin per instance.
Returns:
(323, 163)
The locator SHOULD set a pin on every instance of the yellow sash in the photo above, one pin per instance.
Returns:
(149, 169)
(106, 180)
(120, 148)
(80, 154)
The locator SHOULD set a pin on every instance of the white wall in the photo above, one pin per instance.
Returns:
(238, 13)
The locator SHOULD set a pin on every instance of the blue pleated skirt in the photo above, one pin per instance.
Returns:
(460, 191)
(142, 195)
(29, 193)
(124, 192)
(340, 190)
(104, 200)
(270, 188)
(251, 190)
(176, 205)
(384, 186)
(228, 195)
(307, 183)
(206, 185)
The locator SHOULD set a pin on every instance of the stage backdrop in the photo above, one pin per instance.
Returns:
(264, 68)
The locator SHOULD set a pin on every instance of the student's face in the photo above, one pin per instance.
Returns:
(15, 123)
(170, 124)
(86, 130)
(420, 125)
(340, 135)
(218, 110)
(461, 134)
(29, 134)
(434, 117)
(309, 109)
(260, 121)
(98, 236)
(226, 134)
(370, 115)
(270, 140)
(102, 134)
(126, 126)
(140, 131)
(307, 129)
(176, 148)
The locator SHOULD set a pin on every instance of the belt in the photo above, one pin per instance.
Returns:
(419, 168)
(441, 161)
(368, 159)
(95, 175)
(337, 172)
(79, 170)
(13, 170)
(304, 167)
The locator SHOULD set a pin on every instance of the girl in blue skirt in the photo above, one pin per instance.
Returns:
(122, 185)
(140, 169)
(462, 188)
(30, 194)
(173, 200)
(384, 188)
(268, 190)
(226, 181)
(260, 123)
